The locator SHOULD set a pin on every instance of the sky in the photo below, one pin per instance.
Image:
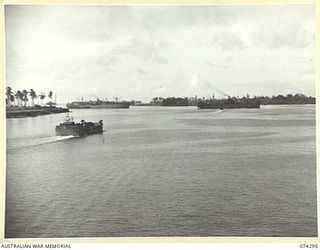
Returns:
(137, 52)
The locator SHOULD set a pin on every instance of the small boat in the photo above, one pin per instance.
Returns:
(82, 129)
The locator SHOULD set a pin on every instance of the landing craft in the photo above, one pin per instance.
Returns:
(69, 127)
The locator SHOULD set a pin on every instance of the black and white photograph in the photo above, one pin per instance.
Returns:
(160, 120)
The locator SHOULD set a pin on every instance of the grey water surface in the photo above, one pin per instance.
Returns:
(160, 171)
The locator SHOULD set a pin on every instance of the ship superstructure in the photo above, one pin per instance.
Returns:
(98, 104)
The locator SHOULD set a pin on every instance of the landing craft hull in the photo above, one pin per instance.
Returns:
(79, 129)
(68, 133)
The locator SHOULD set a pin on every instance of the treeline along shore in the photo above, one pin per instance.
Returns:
(263, 100)
(22, 103)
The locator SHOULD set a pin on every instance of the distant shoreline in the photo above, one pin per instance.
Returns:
(23, 112)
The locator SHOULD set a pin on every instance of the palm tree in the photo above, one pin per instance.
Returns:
(25, 97)
(50, 95)
(10, 96)
(19, 97)
(33, 95)
(42, 96)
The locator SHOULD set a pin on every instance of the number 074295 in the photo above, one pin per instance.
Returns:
(309, 246)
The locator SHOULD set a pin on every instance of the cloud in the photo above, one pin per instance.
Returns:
(228, 59)
(186, 16)
(194, 80)
(185, 49)
(140, 71)
(218, 65)
(139, 48)
(308, 77)
(228, 41)
(276, 34)
(159, 59)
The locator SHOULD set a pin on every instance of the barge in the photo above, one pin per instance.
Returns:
(81, 129)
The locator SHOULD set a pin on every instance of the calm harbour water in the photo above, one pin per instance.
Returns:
(164, 172)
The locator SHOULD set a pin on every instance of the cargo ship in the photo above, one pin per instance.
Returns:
(230, 103)
(69, 127)
(98, 104)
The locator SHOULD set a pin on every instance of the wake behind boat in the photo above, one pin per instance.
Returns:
(69, 127)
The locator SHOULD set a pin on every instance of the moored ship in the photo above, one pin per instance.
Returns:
(82, 129)
(98, 104)
(230, 103)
